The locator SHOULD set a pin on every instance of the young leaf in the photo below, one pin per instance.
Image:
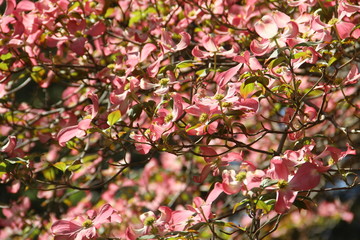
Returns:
(246, 89)
(185, 64)
(6, 56)
(61, 166)
(113, 117)
(49, 174)
(267, 182)
(262, 205)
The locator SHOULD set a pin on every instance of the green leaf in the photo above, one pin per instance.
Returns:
(3, 168)
(193, 127)
(38, 73)
(89, 158)
(276, 62)
(61, 166)
(277, 52)
(332, 60)
(4, 66)
(202, 72)
(76, 197)
(6, 56)
(299, 55)
(135, 111)
(150, 10)
(113, 117)
(73, 5)
(150, 107)
(49, 174)
(246, 89)
(267, 182)
(306, 44)
(135, 17)
(16, 160)
(300, 204)
(185, 64)
(262, 205)
(198, 226)
(76, 165)
(245, 201)
(215, 117)
(259, 79)
(109, 12)
(166, 67)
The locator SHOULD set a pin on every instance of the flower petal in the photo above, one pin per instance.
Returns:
(284, 200)
(64, 227)
(266, 27)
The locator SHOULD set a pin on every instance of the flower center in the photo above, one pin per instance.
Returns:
(164, 81)
(333, 21)
(219, 96)
(168, 118)
(240, 176)
(226, 104)
(282, 184)
(203, 117)
(127, 86)
(149, 221)
(87, 223)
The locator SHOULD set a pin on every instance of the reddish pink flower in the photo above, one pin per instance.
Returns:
(79, 130)
(347, 9)
(146, 51)
(305, 178)
(203, 108)
(12, 148)
(250, 62)
(203, 208)
(168, 45)
(152, 224)
(305, 55)
(266, 27)
(353, 75)
(224, 77)
(260, 48)
(10, 145)
(336, 154)
(153, 69)
(231, 184)
(212, 46)
(84, 228)
(214, 162)
(344, 29)
(16, 214)
(335, 209)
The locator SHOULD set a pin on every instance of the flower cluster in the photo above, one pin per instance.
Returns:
(179, 119)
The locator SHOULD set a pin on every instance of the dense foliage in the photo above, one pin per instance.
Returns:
(177, 119)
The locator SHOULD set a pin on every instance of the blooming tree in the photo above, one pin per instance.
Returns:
(176, 119)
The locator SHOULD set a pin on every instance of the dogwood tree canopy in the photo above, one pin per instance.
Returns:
(176, 119)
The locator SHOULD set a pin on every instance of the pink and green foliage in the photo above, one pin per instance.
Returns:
(176, 119)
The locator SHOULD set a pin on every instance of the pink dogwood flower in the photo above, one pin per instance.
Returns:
(79, 130)
(151, 224)
(353, 75)
(203, 109)
(306, 177)
(12, 147)
(16, 214)
(214, 163)
(84, 228)
(266, 27)
(168, 45)
(212, 46)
